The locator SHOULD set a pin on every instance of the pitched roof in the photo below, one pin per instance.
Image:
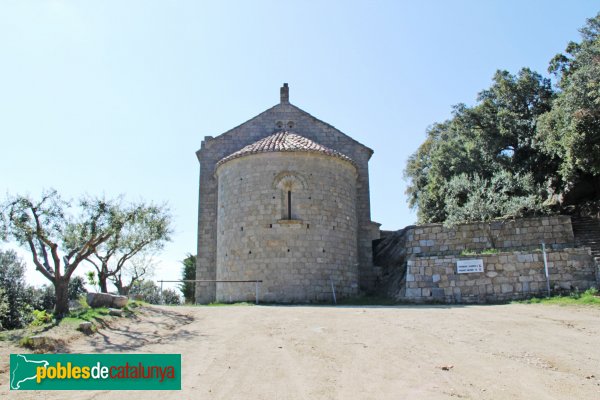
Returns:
(285, 142)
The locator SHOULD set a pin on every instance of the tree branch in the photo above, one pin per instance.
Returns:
(45, 255)
(38, 264)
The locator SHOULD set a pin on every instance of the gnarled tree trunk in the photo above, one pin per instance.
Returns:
(61, 289)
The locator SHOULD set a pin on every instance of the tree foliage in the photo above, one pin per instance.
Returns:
(137, 269)
(473, 198)
(188, 273)
(21, 299)
(171, 297)
(485, 143)
(145, 290)
(146, 230)
(58, 235)
(76, 288)
(42, 298)
(3, 306)
(570, 132)
(12, 283)
(522, 149)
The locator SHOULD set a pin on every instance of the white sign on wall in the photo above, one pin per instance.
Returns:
(468, 266)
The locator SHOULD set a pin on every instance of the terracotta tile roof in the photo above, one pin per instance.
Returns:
(284, 142)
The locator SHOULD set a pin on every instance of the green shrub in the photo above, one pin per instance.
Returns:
(76, 288)
(171, 297)
(589, 297)
(468, 252)
(3, 304)
(145, 290)
(12, 282)
(188, 273)
(41, 318)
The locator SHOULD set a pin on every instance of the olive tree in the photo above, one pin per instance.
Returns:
(147, 230)
(58, 235)
(136, 270)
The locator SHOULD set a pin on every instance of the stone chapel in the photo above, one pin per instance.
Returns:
(284, 198)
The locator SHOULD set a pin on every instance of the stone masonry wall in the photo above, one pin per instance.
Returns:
(295, 258)
(525, 232)
(506, 276)
(263, 125)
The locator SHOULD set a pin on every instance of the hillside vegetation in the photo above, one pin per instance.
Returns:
(527, 147)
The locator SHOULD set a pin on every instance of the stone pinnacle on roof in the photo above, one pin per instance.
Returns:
(285, 142)
(284, 94)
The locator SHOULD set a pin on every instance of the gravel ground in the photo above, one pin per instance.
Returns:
(410, 352)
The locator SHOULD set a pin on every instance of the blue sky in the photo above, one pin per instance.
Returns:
(114, 97)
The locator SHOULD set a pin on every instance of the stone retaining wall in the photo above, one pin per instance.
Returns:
(435, 238)
(506, 276)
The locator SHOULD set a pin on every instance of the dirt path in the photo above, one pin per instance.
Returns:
(491, 352)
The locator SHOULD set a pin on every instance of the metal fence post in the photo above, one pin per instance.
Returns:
(256, 286)
(546, 268)
(333, 290)
(161, 295)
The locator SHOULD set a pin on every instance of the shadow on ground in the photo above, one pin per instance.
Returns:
(150, 326)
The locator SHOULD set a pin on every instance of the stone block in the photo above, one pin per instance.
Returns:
(119, 301)
(509, 268)
(483, 281)
(507, 288)
(96, 300)
(115, 312)
(86, 327)
(523, 258)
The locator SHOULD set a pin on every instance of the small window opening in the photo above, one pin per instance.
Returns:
(241, 228)
(270, 225)
(307, 226)
(289, 204)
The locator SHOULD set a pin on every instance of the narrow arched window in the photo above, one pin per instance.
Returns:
(289, 204)
(287, 182)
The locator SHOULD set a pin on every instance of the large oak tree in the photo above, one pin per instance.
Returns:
(490, 145)
(570, 132)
